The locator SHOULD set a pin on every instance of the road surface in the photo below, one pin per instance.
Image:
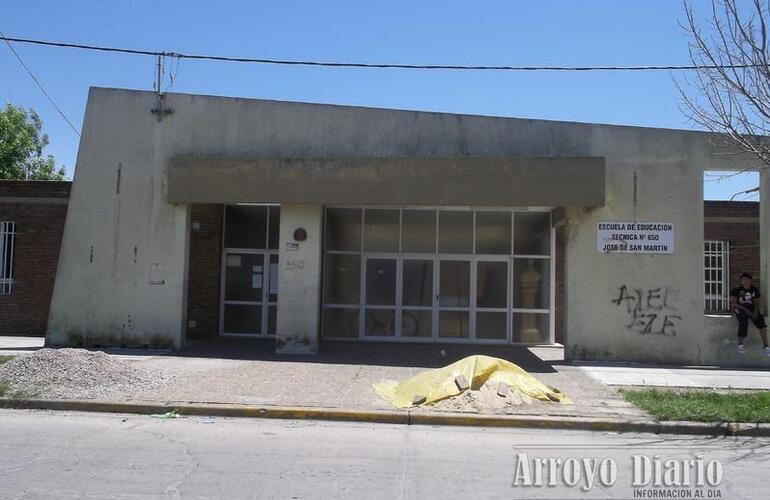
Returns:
(82, 455)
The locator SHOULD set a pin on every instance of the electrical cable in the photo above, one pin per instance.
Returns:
(685, 67)
(31, 74)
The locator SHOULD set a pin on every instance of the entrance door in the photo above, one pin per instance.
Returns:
(454, 299)
(438, 274)
(250, 270)
(417, 298)
(379, 318)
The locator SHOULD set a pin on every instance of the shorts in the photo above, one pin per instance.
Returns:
(743, 323)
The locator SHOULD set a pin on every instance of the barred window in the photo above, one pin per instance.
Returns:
(7, 238)
(717, 275)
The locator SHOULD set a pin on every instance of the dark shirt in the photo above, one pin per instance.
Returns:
(745, 297)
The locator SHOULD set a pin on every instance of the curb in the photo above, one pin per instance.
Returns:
(408, 417)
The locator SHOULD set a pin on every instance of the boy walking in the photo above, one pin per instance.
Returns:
(744, 300)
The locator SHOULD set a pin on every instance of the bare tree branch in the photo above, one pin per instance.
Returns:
(730, 94)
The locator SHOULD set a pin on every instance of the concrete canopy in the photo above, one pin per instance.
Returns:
(522, 181)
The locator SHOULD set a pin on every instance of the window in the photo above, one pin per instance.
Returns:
(448, 274)
(7, 239)
(716, 258)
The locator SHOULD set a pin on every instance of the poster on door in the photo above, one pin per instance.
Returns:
(635, 237)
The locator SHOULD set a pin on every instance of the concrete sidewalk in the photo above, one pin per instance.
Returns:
(233, 360)
(12, 345)
(684, 376)
(246, 372)
(349, 386)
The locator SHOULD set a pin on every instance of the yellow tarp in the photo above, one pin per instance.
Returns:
(439, 384)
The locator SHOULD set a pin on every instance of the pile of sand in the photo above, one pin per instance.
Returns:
(75, 374)
(485, 399)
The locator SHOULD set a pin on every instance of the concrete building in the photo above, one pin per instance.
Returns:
(335, 222)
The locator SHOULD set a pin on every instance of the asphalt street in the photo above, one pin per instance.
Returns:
(82, 455)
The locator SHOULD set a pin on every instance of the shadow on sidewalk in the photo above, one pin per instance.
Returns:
(364, 353)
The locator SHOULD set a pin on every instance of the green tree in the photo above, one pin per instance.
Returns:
(21, 147)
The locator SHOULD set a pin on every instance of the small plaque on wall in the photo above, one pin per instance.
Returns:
(156, 273)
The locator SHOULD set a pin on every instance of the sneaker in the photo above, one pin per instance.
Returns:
(766, 351)
(741, 349)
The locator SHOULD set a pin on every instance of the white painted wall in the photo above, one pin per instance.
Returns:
(653, 177)
(299, 278)
(720, 335)
(118, 225)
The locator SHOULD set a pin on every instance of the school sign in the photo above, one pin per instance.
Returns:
(635, 237)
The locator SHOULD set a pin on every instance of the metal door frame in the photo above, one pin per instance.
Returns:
(265, 303)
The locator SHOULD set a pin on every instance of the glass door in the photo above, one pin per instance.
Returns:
(379, 319)
(250, 270)
(417, 298)
(438, 274)
(244, 292)
(454, 299)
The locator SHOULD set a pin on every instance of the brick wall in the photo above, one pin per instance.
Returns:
(38, 209)
(738, 223)
(203, 281)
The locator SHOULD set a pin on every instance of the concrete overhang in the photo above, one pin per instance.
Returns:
(473, 181)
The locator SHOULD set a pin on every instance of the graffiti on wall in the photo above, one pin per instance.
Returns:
(648, 310)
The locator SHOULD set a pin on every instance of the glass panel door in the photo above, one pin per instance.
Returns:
(417, 298)
(244, 290)
(380, 307)
(441, 274)
(454, 299)
(250, 293)
(250, 269)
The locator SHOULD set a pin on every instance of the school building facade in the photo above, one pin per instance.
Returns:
(196, 215)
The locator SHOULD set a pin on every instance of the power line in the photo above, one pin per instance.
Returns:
(285, 62)
(8, 42)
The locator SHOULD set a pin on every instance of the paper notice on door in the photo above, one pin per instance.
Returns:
(273, 278)
(256, 269)
(256, 281)
(233, 261)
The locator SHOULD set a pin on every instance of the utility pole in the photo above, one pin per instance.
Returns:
(159, 76)
(159, 111)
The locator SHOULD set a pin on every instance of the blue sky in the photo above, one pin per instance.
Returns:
(512, 32)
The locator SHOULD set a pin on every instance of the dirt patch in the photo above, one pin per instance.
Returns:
(75, 374)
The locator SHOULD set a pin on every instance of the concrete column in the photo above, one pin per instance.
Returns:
(299, 280)
(764, 235)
